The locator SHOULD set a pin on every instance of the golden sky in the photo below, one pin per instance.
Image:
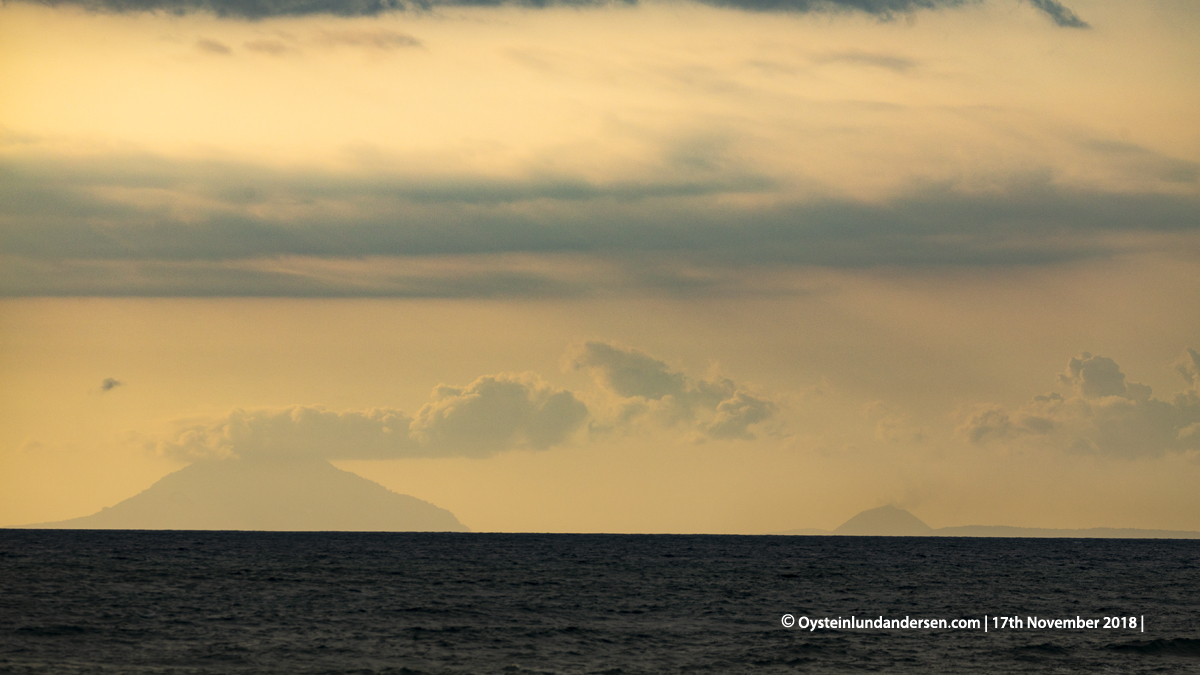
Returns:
(633, 267)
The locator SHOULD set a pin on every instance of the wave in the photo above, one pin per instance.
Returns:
(1043, 648)
(1173, 647)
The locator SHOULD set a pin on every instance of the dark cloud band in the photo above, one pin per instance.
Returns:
(64, 233)
(262, 9)
(56, 211)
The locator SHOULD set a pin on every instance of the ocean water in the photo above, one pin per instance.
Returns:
(257, 602)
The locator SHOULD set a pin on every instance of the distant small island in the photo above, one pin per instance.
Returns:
(891, 521)
(242, 494)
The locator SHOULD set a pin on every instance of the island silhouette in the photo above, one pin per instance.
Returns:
(892, 521)
(313, 495)
(261, 494)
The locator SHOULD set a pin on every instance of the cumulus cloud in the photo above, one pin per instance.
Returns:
(298, 431)
(644, 386)
(1100, 413)
(493, 414)
(1188, 367)
(995, 422)
(261, 9)
(736, 414)
(629, 373)
(497, 412)
(1094, 376)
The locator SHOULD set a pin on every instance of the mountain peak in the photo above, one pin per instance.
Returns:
(235, 494)
(885, 521)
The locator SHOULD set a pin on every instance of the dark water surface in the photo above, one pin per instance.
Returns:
(241, 602)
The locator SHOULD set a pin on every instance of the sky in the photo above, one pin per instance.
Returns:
(735, 266)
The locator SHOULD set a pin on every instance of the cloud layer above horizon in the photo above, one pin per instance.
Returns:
(495, 413)
(1100, 413)
(344, 150)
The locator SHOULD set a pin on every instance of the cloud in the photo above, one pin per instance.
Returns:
(109, 383)
(296, 432)
(1059, 14)
(372, 39)
(629, 373)
(897, 64)
(995, 422)
(272, 47)
(310, 277)
(261, 9)
(154, 227)
(376, 39)
(493, 414)
(736, 414)
(1188, 367)
(644, 386)
(1101, 414)
(213, 47)
(1094, 376)
(1145, 161)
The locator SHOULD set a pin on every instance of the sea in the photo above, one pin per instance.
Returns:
(92, 601)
